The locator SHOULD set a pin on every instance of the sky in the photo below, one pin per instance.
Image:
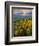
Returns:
(22, 12)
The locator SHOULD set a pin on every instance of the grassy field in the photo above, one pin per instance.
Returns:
(23, 27)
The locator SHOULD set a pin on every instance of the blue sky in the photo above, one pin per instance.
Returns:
(25, 14)
(22, 12)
